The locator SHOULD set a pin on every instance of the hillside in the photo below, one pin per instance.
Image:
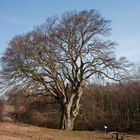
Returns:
(11, 131)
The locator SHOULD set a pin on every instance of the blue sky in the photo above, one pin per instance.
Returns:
(20, 16)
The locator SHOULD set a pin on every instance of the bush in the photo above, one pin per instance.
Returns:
(36, 118)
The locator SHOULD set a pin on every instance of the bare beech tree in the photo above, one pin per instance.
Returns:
(60, 56)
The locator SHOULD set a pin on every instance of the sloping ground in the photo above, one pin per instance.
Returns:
(11, 131)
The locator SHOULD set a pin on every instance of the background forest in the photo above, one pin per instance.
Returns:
(114, 105)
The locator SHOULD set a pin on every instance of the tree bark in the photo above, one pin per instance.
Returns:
(67, 118)
(70, 109)
(68, 123)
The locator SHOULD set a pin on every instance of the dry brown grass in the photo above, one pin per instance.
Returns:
(10, 131)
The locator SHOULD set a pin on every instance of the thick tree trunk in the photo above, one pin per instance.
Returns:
(68, 123)
(70, 110)
(67, 120)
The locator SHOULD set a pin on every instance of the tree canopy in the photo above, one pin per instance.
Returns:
(60, 56)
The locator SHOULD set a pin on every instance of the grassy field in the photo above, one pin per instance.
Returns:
(11, 131)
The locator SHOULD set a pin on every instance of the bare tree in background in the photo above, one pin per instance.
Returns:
(60, 56)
